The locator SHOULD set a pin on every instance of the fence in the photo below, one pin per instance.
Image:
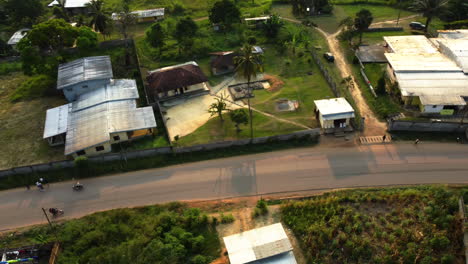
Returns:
(384, 29)
(325, 73)
(464, 217)
(160, 151)
(426, 126)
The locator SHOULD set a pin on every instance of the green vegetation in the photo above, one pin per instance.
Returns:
(22, 124)
(226, 219)
(35, 87)
(260, 209)
(171, 233)
(9, 67)
(394, 225)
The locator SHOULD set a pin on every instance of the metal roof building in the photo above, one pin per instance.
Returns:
(157, 12)
(410, 44)
(90, 120)
(71, 3)
(18, 36)
(428, 62)
(84, 69)
(265, 245)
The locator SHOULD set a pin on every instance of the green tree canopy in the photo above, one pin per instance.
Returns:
(155, 35)
(218, 107)
(272, 26)
(100, 20)
(185, 31)
(87, 38)
(430, 9)
(362, 21)
(239, 116)
(224, 12)
(53, 34)
(126, 18)
(23, 11)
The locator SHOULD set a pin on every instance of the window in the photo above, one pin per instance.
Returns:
(81, 153)
(99, 148)
(434, 106)
(116, 138)
(69, 89)
(85, 86)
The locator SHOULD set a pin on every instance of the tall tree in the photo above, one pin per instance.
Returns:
(155, 35)
(272, 26)
(23, 12)
(248, 65)
(125, 18)
(53, 34)
(239, 116)
(185, 31)
(99, 16)
(430, 9)
(218, 107)
(224, 12)
(362, 21)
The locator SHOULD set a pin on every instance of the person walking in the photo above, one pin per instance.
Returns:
(416, 141)
(384, 138)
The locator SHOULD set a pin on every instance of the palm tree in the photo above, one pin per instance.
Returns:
(430, 9)
(99, 16)
(248, 65)
(362, 22)
(126, 18)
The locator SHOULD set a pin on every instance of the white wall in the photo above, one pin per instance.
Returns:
(432, 108)
(92, 151)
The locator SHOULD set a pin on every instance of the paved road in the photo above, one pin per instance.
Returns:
(282, 171)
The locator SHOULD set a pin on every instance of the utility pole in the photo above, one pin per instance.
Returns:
(50, 223)
(399, 12)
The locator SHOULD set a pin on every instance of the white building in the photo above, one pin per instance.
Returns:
(334, 113)
(431, 73)
(17, 37)
(264, 245)
(144, 15)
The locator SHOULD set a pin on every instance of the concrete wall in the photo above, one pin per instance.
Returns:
(123, 137)
(200, 86)
(159, 151)
(432, 109)
(93, 152)
(73, 91)
(426, 126)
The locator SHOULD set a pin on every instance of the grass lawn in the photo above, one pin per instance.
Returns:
(214, 130)
(394, 225)
(170, 233)
(22, 125)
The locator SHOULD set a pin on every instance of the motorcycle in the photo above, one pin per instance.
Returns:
(55, 212)
(78, 186)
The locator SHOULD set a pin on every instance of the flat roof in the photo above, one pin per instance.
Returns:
(56, 121)
(456, 49)
(18, 36)
(257, 18)
(76, 3)
(283, 258)
(157, 12)
(257, 244)
(432, 83)
(453, 34)
(334, 108)
(410, 44)
(441, 100)
(401, 62)
(84, 69)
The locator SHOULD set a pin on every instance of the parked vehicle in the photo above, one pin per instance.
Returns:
(417, 26)
(329, 57)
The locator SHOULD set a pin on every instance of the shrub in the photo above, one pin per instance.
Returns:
(34, 87)
(226, 219)
(380, 88)
(87, 39)
(447, 259)
(199, 259)
(8, 67)
(260, 209)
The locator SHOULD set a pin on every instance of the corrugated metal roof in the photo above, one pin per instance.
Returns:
(432, 83)
(84, 69)
(17, 36)
(457, 49)
(256, 18)
(410, 44)
(56, 121)
(335, 108)
(158, 12)
(283, 258)
(117, 90)
(453, 34)
(257, 244)
(442, 100)
(402, 62)
(76, 3)
(53, 3)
